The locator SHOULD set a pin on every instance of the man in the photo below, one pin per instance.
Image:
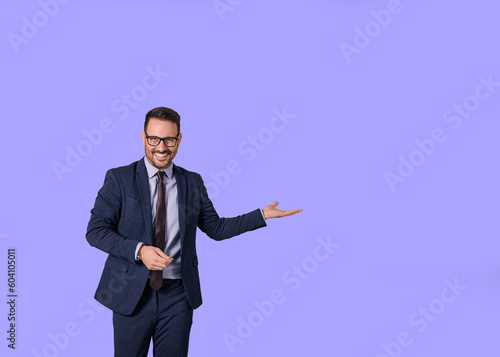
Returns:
(145, 217)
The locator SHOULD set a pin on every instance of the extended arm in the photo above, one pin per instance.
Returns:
(222, 228)
(226, 227)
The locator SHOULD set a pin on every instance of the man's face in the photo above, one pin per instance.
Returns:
(161, 156)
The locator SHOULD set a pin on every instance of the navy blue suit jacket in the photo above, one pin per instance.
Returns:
(121, 218)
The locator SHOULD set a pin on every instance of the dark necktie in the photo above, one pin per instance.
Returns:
(161, 223)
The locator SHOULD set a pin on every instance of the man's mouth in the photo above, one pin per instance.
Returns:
(157, 154)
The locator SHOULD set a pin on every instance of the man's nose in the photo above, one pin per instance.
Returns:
(161, 146)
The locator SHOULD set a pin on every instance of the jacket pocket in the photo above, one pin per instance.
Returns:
(116, 264)
(133, 200)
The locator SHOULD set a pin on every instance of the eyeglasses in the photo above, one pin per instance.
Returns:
(155, 141)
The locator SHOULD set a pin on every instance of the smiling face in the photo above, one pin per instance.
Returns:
(161, 156)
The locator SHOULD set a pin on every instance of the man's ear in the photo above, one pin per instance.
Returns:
(144, 139)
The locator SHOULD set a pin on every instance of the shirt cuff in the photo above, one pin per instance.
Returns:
(137, 251)
(262, 211)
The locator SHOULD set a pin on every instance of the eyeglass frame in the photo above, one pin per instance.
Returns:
(162, 139)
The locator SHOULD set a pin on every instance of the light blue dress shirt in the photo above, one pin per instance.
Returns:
(172, 234)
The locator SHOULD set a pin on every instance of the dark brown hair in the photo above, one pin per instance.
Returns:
(163, 113)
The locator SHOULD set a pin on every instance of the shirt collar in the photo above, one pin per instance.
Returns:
(153, 170)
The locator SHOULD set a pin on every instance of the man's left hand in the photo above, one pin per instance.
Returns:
(270, 211)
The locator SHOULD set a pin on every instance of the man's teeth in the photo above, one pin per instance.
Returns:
(161, 155)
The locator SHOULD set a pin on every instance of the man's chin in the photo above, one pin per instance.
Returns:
(160, 165)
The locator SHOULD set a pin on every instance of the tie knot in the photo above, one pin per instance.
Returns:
(160, 174)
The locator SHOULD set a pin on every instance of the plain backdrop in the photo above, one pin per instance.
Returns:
(379, 119)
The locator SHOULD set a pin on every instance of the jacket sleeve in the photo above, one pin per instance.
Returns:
(104, 218)
(219, 228)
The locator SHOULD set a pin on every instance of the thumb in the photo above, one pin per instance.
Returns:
(274, 204)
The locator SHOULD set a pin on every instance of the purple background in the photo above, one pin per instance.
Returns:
(355, 118)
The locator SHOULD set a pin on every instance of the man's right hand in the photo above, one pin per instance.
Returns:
(153, 258)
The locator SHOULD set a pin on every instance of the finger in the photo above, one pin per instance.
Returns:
(162, 260)
(159, 265)
(161, 253)
(291, 212)
(156, 267)
(274, 204)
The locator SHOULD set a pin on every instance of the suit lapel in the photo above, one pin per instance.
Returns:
(143, 188)
(180, 180)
